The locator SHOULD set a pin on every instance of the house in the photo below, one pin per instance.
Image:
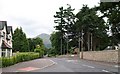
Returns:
(5, 39)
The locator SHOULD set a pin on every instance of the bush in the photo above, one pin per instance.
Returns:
(39, 50)
(19, 57)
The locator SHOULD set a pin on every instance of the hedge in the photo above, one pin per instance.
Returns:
(19, 57)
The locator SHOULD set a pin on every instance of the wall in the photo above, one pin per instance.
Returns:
(105, 56)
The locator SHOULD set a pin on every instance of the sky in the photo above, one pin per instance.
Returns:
(36, 16)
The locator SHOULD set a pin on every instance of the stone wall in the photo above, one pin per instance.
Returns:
(105, 56)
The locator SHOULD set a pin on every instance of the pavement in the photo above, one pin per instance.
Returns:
(62, 65)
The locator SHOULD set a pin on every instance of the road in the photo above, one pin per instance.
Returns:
(63, 65)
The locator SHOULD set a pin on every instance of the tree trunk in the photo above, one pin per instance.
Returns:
(61, 46)
(91, 42)
(88, 41)
(82, 46)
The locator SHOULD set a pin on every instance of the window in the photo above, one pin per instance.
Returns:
(3, 35)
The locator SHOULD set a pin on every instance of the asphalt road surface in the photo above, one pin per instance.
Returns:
(74, 65)
(62, 65)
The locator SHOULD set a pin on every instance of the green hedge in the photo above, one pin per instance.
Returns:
(19, 57)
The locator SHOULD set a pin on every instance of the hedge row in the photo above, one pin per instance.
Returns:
(19, 57)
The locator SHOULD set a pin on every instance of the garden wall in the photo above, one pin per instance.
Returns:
(105, 56)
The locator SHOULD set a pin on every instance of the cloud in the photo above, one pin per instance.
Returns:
(36, 16)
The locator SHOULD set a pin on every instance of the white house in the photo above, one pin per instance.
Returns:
(5, 39)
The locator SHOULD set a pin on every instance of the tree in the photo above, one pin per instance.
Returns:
(65, 20)
(94, 27)
(111, 10)
(20, 42)
(61, 23)
(39, 50)
(33, 42)
(56, 42)
(69, 26)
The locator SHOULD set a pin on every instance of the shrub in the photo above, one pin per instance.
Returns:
(19, 57)
(39, 50)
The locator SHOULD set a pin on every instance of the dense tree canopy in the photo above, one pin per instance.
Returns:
(111, 10)
(33, 42)
(20, 42)
(90, 25)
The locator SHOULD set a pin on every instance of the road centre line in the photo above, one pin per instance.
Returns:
(117, 66)
(88, 66)
(52, 61)
(105, 71)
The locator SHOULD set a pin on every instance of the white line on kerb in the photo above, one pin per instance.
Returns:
(89, 66)
(105, 71)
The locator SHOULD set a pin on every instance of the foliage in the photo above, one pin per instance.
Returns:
(52, 52)
(91, 23)
(56, 42)
(31, 44)
(34, 42)
(19, 57)
(111, 10)
(65, 20)
(20, 42)
(70, 26)
(39, 49)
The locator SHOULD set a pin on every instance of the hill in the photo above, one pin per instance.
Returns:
(46, 39)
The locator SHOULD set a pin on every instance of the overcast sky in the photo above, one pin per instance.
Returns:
(36, 16)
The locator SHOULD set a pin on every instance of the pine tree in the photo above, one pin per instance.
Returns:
(20, 42)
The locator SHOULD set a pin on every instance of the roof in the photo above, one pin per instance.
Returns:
(2, 24)
(5, 45)
(9, 29)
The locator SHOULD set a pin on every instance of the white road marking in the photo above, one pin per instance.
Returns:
(71, 60)
(116, 66)
(16, 71)
(53, 61)
(44, 66)
(72, 55)
(105, 71)
(49, 65)
(89, 66)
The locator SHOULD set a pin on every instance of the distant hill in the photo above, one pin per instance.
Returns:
(46, 39)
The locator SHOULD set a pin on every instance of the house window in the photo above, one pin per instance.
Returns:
(3, 53)
(3, 35)
(0, 36)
